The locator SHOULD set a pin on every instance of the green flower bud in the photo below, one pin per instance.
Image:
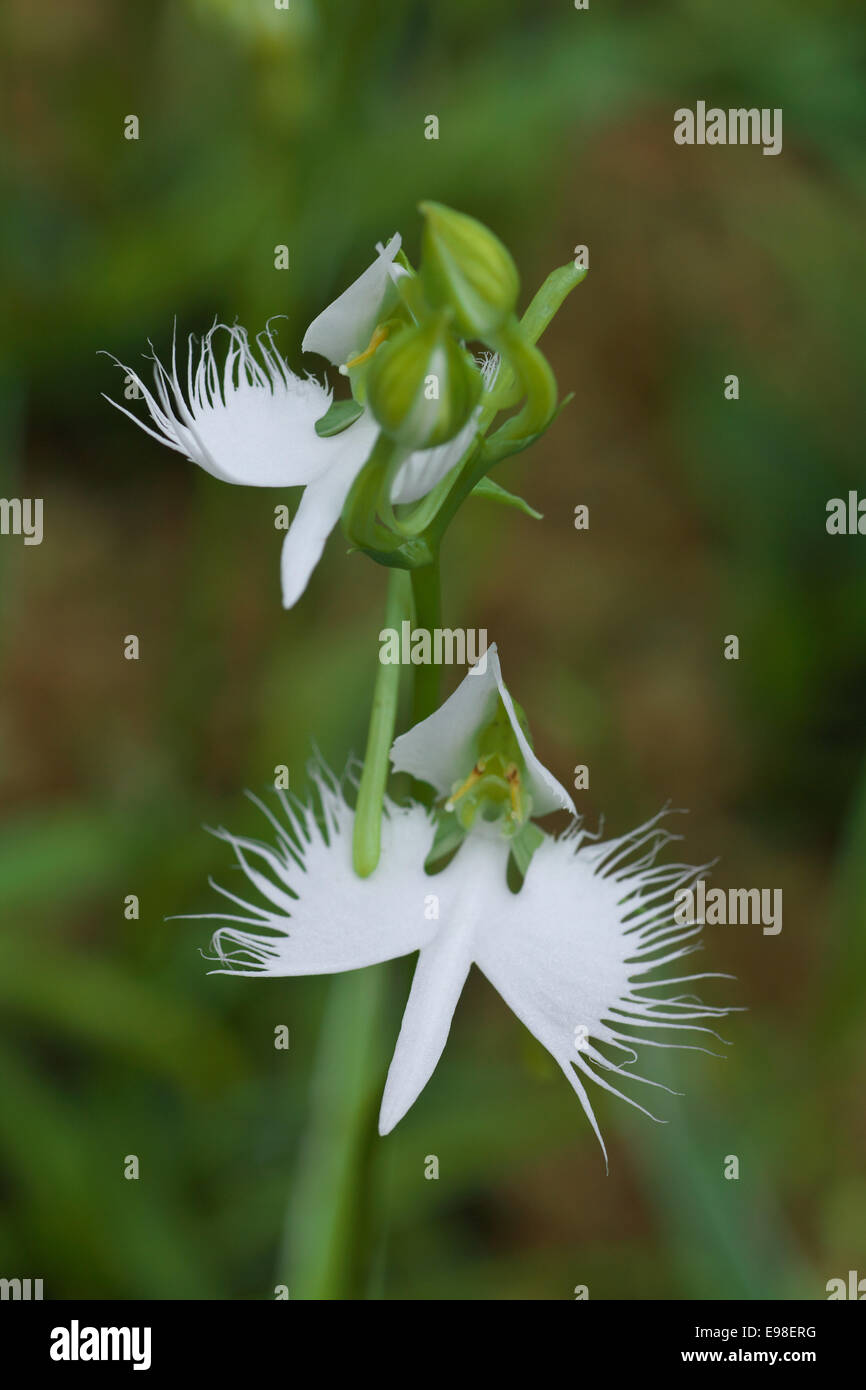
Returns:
(422, 386)
(465, 267)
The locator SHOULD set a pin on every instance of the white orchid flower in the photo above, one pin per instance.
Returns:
(574, 953)
(441, 749)
(251, 420)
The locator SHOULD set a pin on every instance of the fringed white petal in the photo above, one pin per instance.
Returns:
(306, 911)
(249, 421)
(345, 328)
(576, 954)
(441, 749)
(571, 952)
(320, 507)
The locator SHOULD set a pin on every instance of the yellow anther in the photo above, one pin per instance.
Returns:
(475, 776)
(380, 333)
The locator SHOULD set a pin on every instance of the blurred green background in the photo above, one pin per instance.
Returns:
(305, 127)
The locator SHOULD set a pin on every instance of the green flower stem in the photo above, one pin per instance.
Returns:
(333, 1192)
(367, 833)
(474, 468)
(331, 1210)
(426, 593)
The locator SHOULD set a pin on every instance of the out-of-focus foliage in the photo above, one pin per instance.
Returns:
(304, 127)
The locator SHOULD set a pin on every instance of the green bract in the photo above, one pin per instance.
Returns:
(422, 386)
(465, 267)
(338, 417)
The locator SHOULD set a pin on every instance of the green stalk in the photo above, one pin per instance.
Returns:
(333, 1198)
(426, 593)
(367, 833)
(331, 1207)
(333, 1192)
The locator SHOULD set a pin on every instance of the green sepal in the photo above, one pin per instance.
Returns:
(338, 417)
(448, 838)
(550, 298)
(546, 302)
(486, 488)
(524, 845)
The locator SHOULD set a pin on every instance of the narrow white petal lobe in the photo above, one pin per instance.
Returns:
(468, 889)
(320, 507)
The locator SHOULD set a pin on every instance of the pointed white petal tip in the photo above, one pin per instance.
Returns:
(391, 1111)
(345, 327)
(387, 1120)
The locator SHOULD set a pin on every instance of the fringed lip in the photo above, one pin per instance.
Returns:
(574, 954)
(248, 420)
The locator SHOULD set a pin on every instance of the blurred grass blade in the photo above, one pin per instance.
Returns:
(96, 1002)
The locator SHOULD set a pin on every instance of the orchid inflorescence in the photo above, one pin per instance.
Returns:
(432, 357)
